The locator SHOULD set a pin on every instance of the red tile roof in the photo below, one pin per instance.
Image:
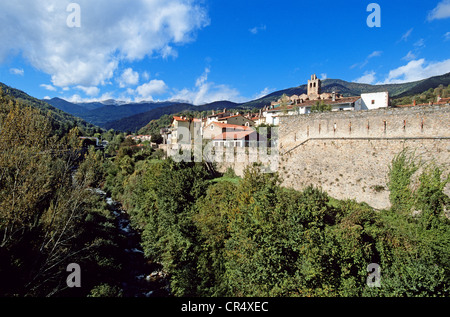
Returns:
(441, 102)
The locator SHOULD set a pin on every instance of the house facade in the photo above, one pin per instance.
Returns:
(238, 119)
(373, 101)
(214, 117)
(184, 130)
(236, 139)
(215, 129)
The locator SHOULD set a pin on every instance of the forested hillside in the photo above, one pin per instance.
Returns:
(49, 217)
(427, 96)
(61, 121)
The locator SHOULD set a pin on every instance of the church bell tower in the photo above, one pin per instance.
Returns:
(314, 88)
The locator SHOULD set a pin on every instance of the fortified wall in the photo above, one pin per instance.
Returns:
(348, 154)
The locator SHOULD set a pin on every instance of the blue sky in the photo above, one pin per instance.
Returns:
(206, 50)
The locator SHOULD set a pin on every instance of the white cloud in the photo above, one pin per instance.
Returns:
(128, 78)
(417, 70)
(17, 71)
(203, 78)
(370, 56)
(420, 43)
(206, 92)
(146, 75)
(168, 51)
(264, 93)
(75, 99)
(78, 99)
(442, 11)
(415, 52)
(367, 78)
(111, 32)
(90, 91)
(406, 36)
(148, 90)
(447, 36)
(256, 29)
(48, 87)
(375, 54)
(410, 56)
(323, 76)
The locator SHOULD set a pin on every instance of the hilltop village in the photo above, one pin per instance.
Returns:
(227, 129)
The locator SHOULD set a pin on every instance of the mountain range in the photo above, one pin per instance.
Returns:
(126, 116)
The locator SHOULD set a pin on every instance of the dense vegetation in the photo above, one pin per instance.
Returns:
(216, 235)
(49, 216)
(425, 97)
(61, 122)
(251, 237)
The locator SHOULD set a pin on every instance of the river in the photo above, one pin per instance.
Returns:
(143, 278)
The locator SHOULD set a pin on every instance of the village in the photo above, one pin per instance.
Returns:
(228, 129)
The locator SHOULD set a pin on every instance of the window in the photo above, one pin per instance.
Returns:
(373, 102)
(211, 126)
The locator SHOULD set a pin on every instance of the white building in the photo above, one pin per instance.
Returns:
(373, 101)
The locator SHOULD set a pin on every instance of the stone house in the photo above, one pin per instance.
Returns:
(237, 119)
(217, 116)
(217, 128)
(249, 138)
(185, 130)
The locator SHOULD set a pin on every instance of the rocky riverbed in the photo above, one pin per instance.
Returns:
(142, 278)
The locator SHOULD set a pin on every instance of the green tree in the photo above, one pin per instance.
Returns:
(44, 214)
(320, 107)
(400, 193)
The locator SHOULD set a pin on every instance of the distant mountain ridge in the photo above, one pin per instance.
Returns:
(136, 122)
(118, 115)
(99, 113)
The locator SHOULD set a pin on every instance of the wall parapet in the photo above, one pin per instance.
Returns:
(348, 154)
(418, 122)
